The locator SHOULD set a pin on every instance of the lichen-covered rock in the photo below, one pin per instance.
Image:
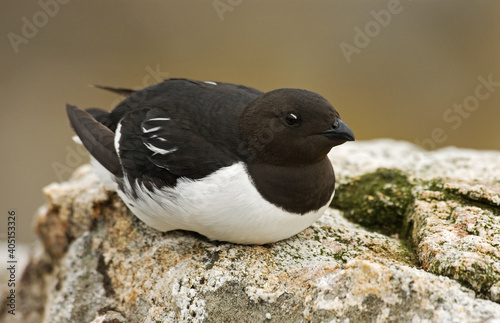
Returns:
(453, 216)
(458, 237)
(98, 263)
(379, 200)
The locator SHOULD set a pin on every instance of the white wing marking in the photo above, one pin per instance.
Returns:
(118, 134)
(150, 130)
(160, 151)
(159, 119)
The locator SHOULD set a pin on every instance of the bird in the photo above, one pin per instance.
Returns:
(227, 161)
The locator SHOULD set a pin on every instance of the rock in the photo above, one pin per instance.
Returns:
(422, 245)
(450, 214)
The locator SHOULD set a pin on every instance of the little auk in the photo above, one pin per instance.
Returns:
(224, 160)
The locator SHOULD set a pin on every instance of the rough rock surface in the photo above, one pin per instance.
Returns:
(422, 244)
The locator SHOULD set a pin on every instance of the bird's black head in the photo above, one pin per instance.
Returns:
(292, 127)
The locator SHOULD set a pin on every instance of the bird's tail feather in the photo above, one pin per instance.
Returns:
(117, 90)
(96, 137)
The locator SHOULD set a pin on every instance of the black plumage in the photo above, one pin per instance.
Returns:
(190, 129)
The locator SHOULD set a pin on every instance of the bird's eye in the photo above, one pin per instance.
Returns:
(291, 119)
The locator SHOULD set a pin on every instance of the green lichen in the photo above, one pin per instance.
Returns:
(463, 262)
(378, 201)
(407, 254)
(476, 276)
(435, 184)
(454, 194)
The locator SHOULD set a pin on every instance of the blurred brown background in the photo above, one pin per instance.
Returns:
(406, 65)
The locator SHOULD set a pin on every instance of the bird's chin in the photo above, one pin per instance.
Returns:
(337, 142)
(327, 142)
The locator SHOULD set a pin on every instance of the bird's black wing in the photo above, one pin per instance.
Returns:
(187, 99)
(181, 128)
(177, 128)
(155, 144)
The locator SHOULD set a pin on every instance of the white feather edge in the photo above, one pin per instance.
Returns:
(106, 178)
(77, 140)
(104, 175)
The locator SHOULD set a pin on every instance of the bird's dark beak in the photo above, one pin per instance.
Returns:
(339, 131)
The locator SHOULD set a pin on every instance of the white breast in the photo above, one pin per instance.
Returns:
(223, 206)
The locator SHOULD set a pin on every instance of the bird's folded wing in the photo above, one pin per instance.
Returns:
(157, 142)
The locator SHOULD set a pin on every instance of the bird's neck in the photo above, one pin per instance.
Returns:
(295, 189)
